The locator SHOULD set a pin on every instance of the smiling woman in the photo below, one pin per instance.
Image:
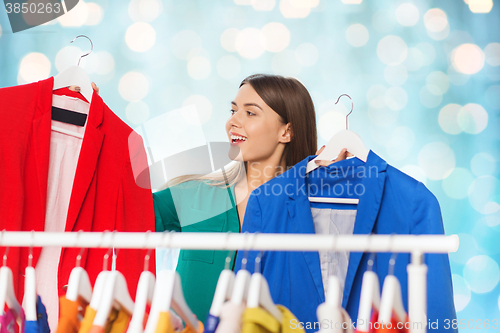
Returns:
(271, 127)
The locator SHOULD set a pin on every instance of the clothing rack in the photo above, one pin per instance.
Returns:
(417, 245)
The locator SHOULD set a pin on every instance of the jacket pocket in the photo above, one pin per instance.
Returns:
(214, 224)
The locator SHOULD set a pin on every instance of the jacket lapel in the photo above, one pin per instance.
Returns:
(299, 212)
(40, 139)
(367, 212)
(87, 161)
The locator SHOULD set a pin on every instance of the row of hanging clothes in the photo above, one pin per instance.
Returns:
(105, 307)
(242, 303)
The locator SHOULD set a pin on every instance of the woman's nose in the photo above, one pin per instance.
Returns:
(235, 119)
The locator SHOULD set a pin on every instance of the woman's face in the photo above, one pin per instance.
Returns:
(254, 130)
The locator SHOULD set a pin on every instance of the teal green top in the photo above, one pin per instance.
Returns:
(195, 206)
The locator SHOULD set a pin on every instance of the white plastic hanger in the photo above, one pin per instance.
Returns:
(79, 283)
(331, 311)
(30, 297)
(259, 294)
(391, 300)
(342, 139)
(143, 296)
(7, 289)
(168, 294)
(241, 285)
(75, 75)
(224, 289)
(370, 297)
(115, 293)
(242, 281)
(100, 283)
(99, 286)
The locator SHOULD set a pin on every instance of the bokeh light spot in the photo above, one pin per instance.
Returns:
(392, 50)
(448, 118)
(133, 86)
(483, 164)
(457, 184)
(437, 160)
(357, 35)
(276, 37)
(472, 118)
(461, 292)
(34, 66)
(481, 273)
(407, 14)
(467, 59)
(250, 43)
(140, 37)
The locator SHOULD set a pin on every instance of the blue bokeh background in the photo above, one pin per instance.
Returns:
(424, 77)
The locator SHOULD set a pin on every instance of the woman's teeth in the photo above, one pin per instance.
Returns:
(238, 138)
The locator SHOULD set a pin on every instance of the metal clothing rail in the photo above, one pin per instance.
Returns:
(417, 245)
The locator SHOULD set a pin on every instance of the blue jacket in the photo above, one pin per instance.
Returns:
(389, 202)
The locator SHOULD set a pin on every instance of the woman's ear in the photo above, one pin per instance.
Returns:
(287, 134)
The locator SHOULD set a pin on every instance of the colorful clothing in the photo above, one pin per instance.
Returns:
(165, 325)
(71, 314)
(87, 321)
(8, 323)
(211, 324)
(41, 325)
(257, 320)
(230, 318)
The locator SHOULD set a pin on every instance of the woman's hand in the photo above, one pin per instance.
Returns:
(342, 156)
(77, 88)
(95, 88)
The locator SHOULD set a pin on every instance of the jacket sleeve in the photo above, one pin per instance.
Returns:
(427, 220)
(252, 223)
(166, 218)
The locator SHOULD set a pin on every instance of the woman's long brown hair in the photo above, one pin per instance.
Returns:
(291, 100)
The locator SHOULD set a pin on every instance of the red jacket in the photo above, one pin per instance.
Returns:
(105, 195)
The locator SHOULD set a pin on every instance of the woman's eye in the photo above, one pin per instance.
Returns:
(250, 113)
(232, 111)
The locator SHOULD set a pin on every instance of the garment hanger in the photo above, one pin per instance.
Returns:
(30, 297)
(115, 294)
(259, 294)
(342, 139)
(224, 288)
(370, 296)
(79, 282)
(143, 296)
(331, 310)
(7, 295)
(391, 301)
(242, 280)
(100, 281)
(76, 75)
(73, 76)
(168, 294)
